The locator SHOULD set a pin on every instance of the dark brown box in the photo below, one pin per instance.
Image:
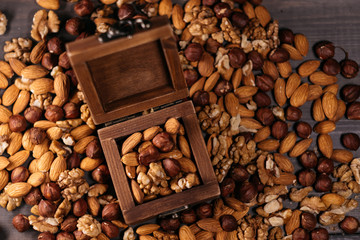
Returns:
(126, 76)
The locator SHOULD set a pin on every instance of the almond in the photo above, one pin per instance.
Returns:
(342, 155)
(150, 133)
(250, 123)
(38, 51)
(198, 85)
(270, 69)
(302, 44)
(236, 78)
(292, 84)
(21, 102)
(315, 92)
(318, 111)
(4, 162)
(283, 162)
(332, 199)
(14, 143)
(147, 229)
(17, 159)
(62, 85)
(321, 78)
(325, 145)
(45, 161)
(40, 149)
(34, 72)
(54, 133)
(268, 145)
(33, 166)
(165, 8)
(6, 69)
(263, 15)
(18, 189)
(4, 83)
(81, 132)
(42, 86)
(44, 124)
(285, 69)
(10, 95)
(130, 159)
(137, 193)
(245, 91)
(279, 92)
(131, 142)
(16, 65)
(81, 145)
(293, 223)
(300, 95)
(185, 233)
(211, 81)
(325, 127)
(300, 147)
(209, 224)
(94, 206)
(172, 126)
(177, 17)
(57, 167)
(285, 178)
(232, 104)
(207, 234)
(186, 165)
(341, 109)
(26, 142)
(308, 67)
(249, 10)
(4, 178)
(329, 104)
(36, 179)
(184, 146)
(262, 134)
(49, 4)
(294, 53)
(5, 114)
(333, 88)
(206, 65)
(89, 164)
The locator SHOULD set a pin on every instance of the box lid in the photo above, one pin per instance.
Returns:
(129, 75)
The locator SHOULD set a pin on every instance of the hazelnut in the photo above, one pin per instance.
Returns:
(349, 68)
(246, 192)
(349, 225)
(255, 2)
(308, 159)
(201, 98)
(239, 173)
(79, 235)
(254, 179)
(19, 174)
(279, 129)
(223, 87)
(47, 208)
(308, 221)
(126, 11)
(293, 113)
(54, 113)
(239, 19)
(351, 141)
(17, 123)
(247, 135)
(110, 229)
(65, 236)
(83, 8)
(319, 234)
(46, 236)
(256, 59)
(21, 223)
(93, 149)
(188, 216)
(325, 165)
(170, 224)
(52, 191)
(323, 183)
(171, 167)
(331, 67)
(82, 36)
(286, 36)
(71, 110)
(33, 197)
(353, 111)
(101, 174)
(191, 76)
(80, 207)
(303, 129)
(69, 224)
(49, 61)
(300, 234)
(264, 82)
(163, 141)
(325, 50)
(74, 26)
(204, 210)
(71, 74)
(222, 9)
(237, 57)
(73, 161)
(261, 99)
(64, 61)
(212, 45)
(350, 92)
(33, 114)
(228, 223)
(265, 116)
(307, 177)
(37, 135)
(55, 46)
(193, 52)
(149, 155)
(279, 55)
(227, 187)
(208, 2)
(111, 212)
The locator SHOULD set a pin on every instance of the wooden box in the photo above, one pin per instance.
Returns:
(125, 76)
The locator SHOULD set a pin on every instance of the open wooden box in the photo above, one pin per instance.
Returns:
(126, 76)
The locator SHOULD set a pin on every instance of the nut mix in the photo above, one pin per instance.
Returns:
(223, 48)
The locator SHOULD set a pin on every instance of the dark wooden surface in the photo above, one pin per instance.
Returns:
(334, 20)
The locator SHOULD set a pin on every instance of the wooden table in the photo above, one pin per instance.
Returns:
(334, 20)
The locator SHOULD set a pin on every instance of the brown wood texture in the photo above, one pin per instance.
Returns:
(334, 20)
(113, 135)
(126, 76)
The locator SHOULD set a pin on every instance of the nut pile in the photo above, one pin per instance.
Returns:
(233, 56)
(158, 161)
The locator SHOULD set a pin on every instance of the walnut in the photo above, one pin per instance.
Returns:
(89, 226)
(276, 233)
(343, 172)
(164, 235)
(355, 168)
(3, 23)
(297, 195)
(73, 183)
(60, 149)
(4, 143)
(43, 23)
(55, 71)
(329, 218)
(129, 234)
(8, 202)
(86, 116)
(151, 9)
(18, 48)
(202, 22)
(63, 210)
(39, 224)
(222, 61)
(103, 24)
(346, 207)
(100, 12)
(23, 83)
(41, 101)
(106, 199)
(69, 124)
(272, 193)
(254, 31)
(183, 183)
(272, 34)
(354, 186)
(231, 34)
(97, 190)
(157, 174)
(313, 205)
